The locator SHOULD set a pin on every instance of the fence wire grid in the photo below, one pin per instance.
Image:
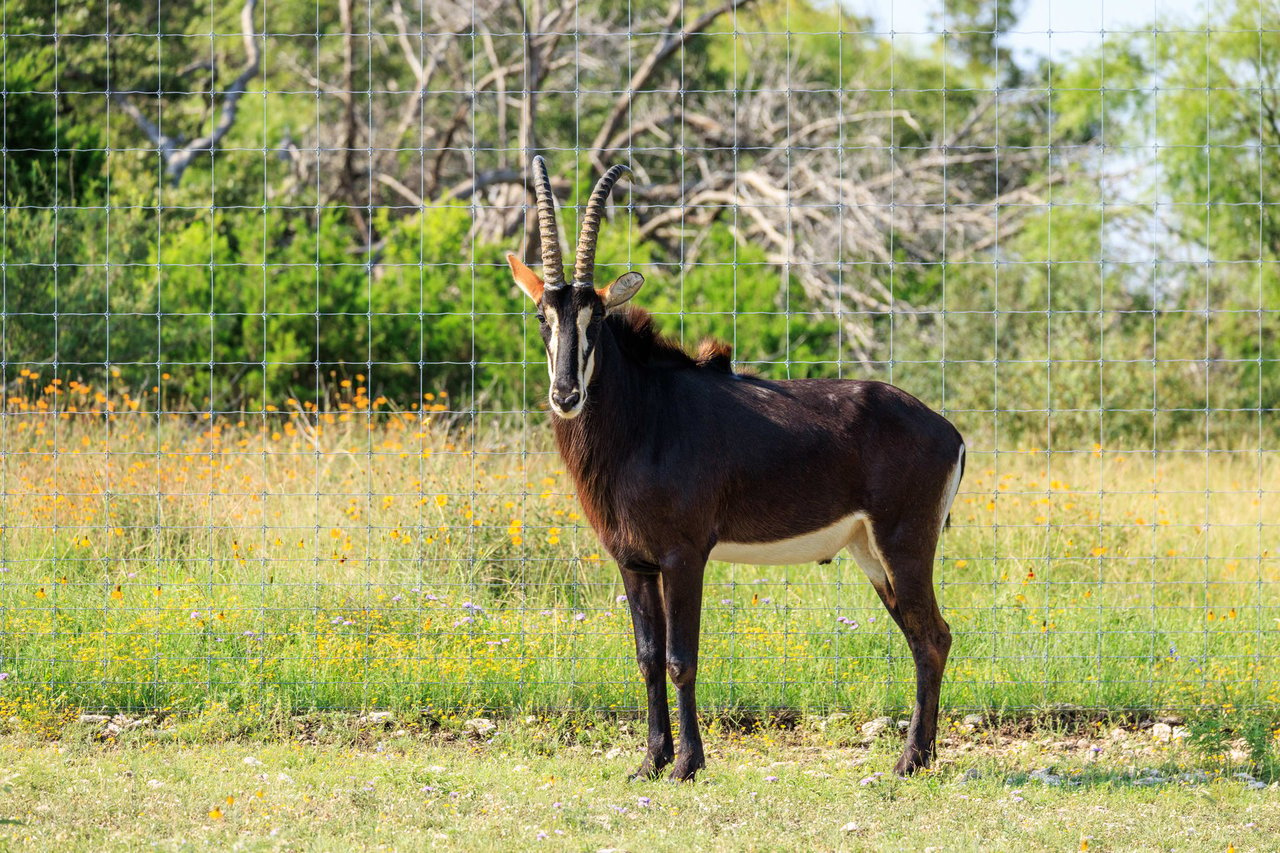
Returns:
(273, 427)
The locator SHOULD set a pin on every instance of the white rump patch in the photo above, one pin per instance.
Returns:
(812, 547)
(953, 486)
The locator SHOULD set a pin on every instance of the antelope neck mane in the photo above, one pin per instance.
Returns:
(638, 339)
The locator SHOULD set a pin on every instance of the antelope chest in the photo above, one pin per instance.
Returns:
(814, 546)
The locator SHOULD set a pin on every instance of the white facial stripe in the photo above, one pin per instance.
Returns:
(584, 319)
(553, 320)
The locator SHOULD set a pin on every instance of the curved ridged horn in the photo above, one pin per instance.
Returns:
(584, 268)
(552, 263)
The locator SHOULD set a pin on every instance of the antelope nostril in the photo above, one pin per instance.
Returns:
(566, 400)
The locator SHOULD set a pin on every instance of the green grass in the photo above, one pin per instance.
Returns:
(334, 560)
(326, 785)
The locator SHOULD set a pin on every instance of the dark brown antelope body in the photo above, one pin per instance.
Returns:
(677, 460)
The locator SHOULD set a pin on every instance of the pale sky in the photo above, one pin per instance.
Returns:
(1051, 28)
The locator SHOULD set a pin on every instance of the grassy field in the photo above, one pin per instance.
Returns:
(326, 785)
(368, 557)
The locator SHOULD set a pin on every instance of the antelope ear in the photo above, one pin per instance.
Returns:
(623, 288)
(525, 277)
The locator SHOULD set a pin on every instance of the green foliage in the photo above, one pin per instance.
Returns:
(51, 160)
(1214, 734)
(976, 28)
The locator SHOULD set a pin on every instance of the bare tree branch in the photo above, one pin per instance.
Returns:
(178, 155)
(350, 124)
(660, 53)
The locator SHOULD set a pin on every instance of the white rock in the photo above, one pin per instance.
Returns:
(849, 827)
(613, 753)
(1047, 776)
(251, 761)
(833, 719)
(872, 729)
(479, 727)
(975, 720)
(1162, 732)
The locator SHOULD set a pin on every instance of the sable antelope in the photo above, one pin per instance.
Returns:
(677, 460)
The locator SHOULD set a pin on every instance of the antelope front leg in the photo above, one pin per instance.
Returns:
(648, 622)
(682, 601)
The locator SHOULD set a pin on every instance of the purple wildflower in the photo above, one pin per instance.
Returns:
(771, 778)
(644, 802)
(578, 617)
(620, 599)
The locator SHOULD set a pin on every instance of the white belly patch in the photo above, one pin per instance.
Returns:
(810, 547)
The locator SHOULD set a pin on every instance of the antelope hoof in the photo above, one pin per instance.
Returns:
(912, 760)
(646, 771)
(685, 770)
(651, 767)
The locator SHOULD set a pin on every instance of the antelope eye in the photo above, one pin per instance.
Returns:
(542, 318)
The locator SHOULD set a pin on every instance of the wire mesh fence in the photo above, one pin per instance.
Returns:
(273, 428)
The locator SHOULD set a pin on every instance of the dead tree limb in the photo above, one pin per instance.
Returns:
(178, 154)
(350, 124)
(660, 54)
